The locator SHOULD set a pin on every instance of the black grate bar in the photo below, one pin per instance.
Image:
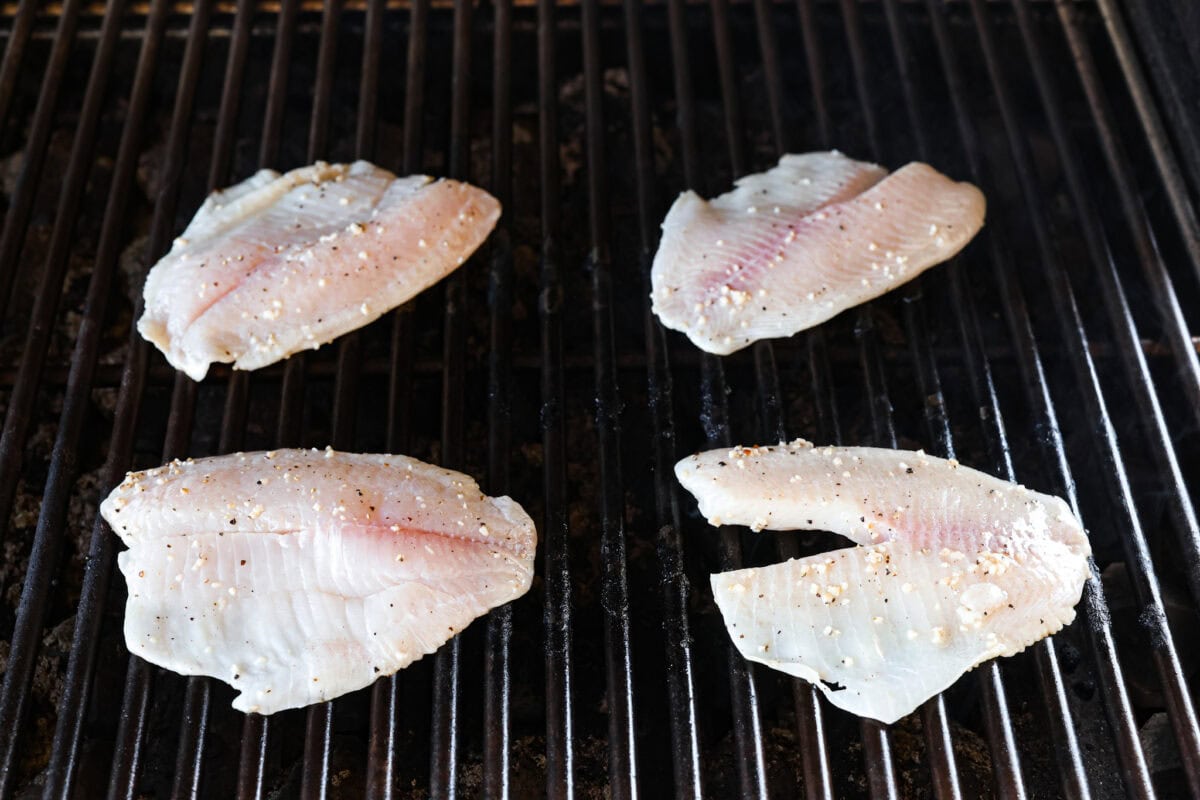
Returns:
(1124, 328)
(256, 729)
(349, 355)
(21, 402)
(560, 746)
(16, 220)
(935, 720)
(268, 153)
(995, 707)
(231, 94)
(1183, 716)
(769, 49)
(1171, 313)
(877, 740)
(1173, 77)
(252, 757)
(879, 766)
(14, 53)
(812, 55)
(622, 749)
(368, 88)
(194, 718)
(31, 608)
(808, 706)
(1006, 764)
(560, 743)
(318, 131)
(77, 682)
(497, 677)
(193, 730)
(131, 732)
(681, 689)
(127, 760)
(995, 434)
(385, 694)
(1160, 144)
(414, 91)
(1029, 361)
(877, 743)
(743, 683)
(747, 722)
(1142, 571)
(730, 96)
(444, 730)
(139, 675)
(1050, 438)
(318, 725)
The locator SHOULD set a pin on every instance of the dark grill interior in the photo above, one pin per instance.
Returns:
(1057, 350)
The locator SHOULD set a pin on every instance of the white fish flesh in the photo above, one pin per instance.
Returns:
(283, 263)
(794, 246)
(299, 575)
(953, 567)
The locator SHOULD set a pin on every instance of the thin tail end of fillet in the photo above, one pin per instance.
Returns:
(155, 331)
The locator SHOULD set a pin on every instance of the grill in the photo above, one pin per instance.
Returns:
(1057, 350)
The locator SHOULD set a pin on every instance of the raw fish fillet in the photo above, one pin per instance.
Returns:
(794, 246)
(953, 567)
(281, 263)
(299, 575)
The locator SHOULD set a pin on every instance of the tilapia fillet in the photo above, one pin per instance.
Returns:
(299, 575)
(953, 567)
(283, 263)
(794, 246)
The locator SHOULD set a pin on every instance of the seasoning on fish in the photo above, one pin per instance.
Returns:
(283, 263)
(299, 575)
(794, 246)
(953, 567)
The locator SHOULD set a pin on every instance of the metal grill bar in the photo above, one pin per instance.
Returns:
(944, 769)
(1164, 157)
(32, 605)
(747, 723)
(681, 687)
(77, 684)
(444, 736)
(1133, 359)
(1170, 311)
(12, 237)
(1172, 96)
(1138, 554)
(622, 749)
(933, 713)
(319, 718)
(16, 221)
(555, 534)
(1183, 714)
(773, 427)
(1006, 764)
(497, 702)
(139, 676)
(256, 729)
(194, 720)
(1029, 360)
(14, 53)
(268, 153)
(385, 695)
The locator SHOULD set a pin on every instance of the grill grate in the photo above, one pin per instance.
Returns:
(1049, 358)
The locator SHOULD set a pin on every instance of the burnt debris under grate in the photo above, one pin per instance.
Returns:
(1057, 350)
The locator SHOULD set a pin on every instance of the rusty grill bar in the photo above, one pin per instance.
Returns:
(1059, 350)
